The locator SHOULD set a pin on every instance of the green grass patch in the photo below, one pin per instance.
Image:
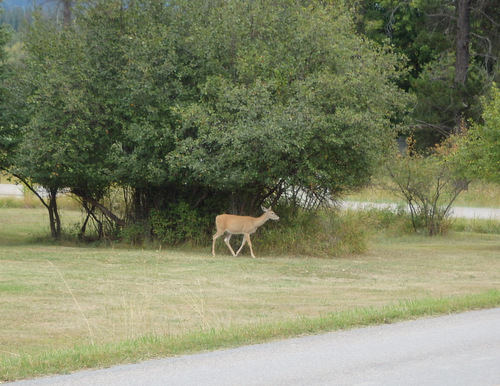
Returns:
(155, 346)
(476, 226)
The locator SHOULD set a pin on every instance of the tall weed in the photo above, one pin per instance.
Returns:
(324, 233)
(476, 226)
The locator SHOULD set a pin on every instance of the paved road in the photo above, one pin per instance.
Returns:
(456, 211)
(10, 190)
(462, 349)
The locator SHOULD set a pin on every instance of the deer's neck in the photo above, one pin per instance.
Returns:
(261, 220)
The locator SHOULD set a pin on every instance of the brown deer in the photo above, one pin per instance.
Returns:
(240, 225)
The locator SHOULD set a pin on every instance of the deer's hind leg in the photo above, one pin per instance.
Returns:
(216, 236)
(226, 240)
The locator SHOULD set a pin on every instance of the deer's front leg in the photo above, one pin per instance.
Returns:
(242, 244)
(250, 245)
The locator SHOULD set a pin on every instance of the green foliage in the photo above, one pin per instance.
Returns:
(133, 234)
(198, 100)
(15, 17)
(436, 111)
(180, 224)
(60, 148)
(405, 25)
(4, 39)
(289, 98)
(425, 31)
(479, 156)
(4, 142)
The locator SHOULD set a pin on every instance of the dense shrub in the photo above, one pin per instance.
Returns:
(322, 233)
(428, 183)
(180, 224)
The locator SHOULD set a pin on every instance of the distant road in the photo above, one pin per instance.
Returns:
(457, 211)
(11, 190)
(17, 191)
(461, 349)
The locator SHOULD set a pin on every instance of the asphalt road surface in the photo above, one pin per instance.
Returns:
(461, 349)
(455, 212)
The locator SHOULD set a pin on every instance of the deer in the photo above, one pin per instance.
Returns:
(240, 225)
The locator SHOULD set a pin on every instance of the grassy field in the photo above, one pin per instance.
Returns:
(66, 307)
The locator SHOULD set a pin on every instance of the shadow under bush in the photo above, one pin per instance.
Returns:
(180, 224)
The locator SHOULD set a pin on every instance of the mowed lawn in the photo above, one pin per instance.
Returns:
(55, 296)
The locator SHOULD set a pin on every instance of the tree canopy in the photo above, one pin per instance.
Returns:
(479, 154)
(453, 49)
(222, 105)
(195, 99)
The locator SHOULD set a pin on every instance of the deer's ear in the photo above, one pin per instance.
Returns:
(264, 208)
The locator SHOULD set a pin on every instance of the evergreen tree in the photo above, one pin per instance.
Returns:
(453, 49)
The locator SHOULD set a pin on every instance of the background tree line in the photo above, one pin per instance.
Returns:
(452, 49)
(192, 108)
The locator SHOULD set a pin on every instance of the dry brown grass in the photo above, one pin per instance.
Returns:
(57, 296)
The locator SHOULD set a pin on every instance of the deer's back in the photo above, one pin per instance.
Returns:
(235, 224)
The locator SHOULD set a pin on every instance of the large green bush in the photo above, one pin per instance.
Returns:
(188, 100)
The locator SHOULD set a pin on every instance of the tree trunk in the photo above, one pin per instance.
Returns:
(67, 11)
(55, 220)
(463, 8)
(463, 40)
(118, 221)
